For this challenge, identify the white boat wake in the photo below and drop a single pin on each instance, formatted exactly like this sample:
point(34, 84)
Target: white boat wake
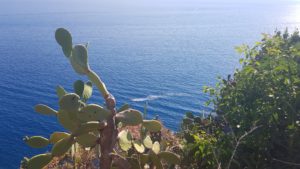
point(155, 97)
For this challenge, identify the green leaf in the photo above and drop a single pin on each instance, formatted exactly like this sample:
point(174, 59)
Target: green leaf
point(125, 140)
point(189, 115)
point(130, 117)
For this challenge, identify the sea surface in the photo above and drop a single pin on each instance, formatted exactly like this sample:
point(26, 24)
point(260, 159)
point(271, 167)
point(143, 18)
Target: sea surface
point(161, 53)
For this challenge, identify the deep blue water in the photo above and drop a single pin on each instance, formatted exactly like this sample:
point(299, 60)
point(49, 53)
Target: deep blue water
point(162, 53)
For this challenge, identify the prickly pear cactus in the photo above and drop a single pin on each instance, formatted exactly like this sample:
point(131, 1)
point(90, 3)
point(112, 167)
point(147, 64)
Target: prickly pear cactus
point(92, 125)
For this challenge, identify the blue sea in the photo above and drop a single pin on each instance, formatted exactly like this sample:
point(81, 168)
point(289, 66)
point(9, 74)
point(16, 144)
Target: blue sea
point(159, 52)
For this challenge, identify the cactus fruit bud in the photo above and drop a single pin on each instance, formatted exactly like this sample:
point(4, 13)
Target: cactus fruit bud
point(56, 136)
point(130, 117)
point(152, 125)
point(93, 112)
point(156, 147)
point(44, 109)
point(87, 140)
point(123, 107)
point(36, 141)
point(64, 39)
point(169, 157)
point(62, 146)
point(60, 91)
point(39, 161)
point(79, 60)
point(148, 142)
point(125, 140)
point(138, 146)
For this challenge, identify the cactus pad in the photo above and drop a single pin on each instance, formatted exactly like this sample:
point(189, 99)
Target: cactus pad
point(60, 91)
point(83, 90)
point(130, 117)
point(156, 161)
point(39, 161)
point(123, 107)
point(125, 140)
point(56, 136)
point(64, 39)
point(156, 147)
point(148, 142)
point(138, 146)
point(87, 140)
point(152, 125)
point(89, 127)
point(44, 109)
point(70, 102)
point(62, 146)
point(169, 157)
point(36, 141)
point(79, 59)
point(93, 112)
point(65, 120)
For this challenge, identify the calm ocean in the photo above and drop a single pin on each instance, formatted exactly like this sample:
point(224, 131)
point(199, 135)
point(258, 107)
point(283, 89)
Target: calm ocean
point(161, 52)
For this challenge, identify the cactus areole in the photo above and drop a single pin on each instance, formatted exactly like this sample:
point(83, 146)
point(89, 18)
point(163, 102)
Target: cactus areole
point(90, 124)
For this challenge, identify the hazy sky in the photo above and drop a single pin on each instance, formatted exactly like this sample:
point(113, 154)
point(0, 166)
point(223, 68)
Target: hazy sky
point(42, 6)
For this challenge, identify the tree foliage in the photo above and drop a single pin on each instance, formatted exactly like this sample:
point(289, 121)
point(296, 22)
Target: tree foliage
point(258, 107)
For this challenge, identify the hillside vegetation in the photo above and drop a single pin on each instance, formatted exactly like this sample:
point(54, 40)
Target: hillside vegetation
point(255, 122)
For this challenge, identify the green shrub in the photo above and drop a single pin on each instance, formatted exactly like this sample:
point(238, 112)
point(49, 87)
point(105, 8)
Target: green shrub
point(264, 93)
point(257, 112)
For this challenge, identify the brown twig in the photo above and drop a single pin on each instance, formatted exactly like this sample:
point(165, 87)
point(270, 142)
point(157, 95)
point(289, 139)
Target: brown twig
point(286, 162)
point(239, 142)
